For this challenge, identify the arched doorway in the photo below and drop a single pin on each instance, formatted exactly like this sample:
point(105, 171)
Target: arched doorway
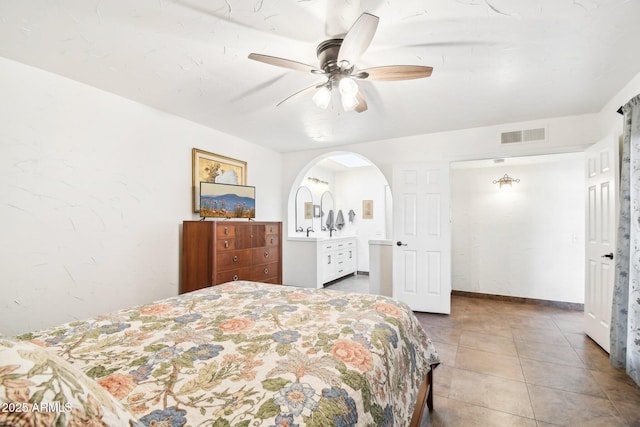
point(351, 186)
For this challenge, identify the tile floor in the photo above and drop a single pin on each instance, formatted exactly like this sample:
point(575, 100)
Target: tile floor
point(512, 364)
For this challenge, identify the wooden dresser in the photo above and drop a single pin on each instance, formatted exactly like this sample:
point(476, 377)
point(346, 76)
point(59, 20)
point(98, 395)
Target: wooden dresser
point(215, 252)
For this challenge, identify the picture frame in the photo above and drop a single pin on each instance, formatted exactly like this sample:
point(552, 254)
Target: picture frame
point(211, 167)
point(367, 209)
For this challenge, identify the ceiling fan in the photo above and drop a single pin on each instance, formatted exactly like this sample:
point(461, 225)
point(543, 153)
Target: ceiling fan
point(338, 57)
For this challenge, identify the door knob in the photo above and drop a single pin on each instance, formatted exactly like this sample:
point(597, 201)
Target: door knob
point(399, 243)
point(609, 255)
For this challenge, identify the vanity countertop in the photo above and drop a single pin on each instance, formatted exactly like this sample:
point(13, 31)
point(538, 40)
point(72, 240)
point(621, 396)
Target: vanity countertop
point(319, 238)
point(385, 242)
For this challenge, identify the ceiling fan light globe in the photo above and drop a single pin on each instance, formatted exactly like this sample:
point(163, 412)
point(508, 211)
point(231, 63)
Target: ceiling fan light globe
point(322, 97)
point(348, 87)
point(349, 102)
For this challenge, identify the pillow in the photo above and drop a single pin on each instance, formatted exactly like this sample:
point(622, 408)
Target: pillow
point(37, 387)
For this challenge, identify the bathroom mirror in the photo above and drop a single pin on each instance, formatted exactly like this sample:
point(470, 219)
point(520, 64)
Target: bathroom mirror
point(304, 209)
point(327, 210)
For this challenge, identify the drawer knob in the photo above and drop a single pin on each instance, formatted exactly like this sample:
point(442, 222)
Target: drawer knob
point(235, 277)
point(235, 258)
point(226, 243)
point(266, 270)
point(266, 254)
point(226, 230)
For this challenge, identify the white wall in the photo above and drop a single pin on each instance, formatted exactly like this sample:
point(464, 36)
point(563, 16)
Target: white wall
point(524, 242)
point(94, 189)
point(352, 187)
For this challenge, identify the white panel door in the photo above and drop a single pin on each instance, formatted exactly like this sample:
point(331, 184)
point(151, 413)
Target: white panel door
point(422, 236)
point(601, 206)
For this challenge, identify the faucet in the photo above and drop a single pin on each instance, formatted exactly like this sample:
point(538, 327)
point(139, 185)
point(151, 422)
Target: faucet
point(331, 230)
point(299, 230)
point(309, 230)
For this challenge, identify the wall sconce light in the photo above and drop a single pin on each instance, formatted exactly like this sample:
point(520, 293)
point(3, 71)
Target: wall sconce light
point(317, 181)
point(506, 180)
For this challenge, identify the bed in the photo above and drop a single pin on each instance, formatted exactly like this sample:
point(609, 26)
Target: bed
point(245, 353)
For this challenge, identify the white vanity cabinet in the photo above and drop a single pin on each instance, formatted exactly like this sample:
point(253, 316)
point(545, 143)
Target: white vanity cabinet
point(338, 258)
point(312, 262)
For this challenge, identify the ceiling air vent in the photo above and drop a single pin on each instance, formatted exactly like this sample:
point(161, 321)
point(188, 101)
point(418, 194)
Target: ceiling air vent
point(526, 135)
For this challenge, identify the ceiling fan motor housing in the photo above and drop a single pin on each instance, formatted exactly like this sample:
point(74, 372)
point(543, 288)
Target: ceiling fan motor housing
point(327, 52)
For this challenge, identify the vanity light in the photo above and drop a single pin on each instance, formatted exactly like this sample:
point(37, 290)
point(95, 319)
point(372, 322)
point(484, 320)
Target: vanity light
point(506, 180)
point(317, 181)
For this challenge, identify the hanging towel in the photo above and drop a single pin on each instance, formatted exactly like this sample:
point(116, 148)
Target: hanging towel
point(352, 215)
point(329, 222)
point(339, 220)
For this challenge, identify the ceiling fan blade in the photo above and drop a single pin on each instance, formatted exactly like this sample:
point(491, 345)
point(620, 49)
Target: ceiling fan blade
point(362, 103)
point(397, 72)
point(286, 63)
point(358, 38)
point(304, 92)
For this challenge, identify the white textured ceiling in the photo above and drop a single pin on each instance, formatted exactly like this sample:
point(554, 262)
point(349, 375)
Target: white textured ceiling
point(495, 61)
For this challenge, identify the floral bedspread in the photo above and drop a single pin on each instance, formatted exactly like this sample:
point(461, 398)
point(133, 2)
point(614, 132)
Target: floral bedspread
point(247, 353)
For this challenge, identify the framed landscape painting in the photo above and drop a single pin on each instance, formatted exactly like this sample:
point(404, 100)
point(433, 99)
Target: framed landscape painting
point(210, 167)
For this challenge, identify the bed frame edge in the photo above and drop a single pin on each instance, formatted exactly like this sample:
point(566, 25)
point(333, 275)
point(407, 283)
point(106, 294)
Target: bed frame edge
point(425, 395)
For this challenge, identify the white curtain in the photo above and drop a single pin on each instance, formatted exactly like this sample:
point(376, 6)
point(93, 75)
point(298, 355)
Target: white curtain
point(625, 317)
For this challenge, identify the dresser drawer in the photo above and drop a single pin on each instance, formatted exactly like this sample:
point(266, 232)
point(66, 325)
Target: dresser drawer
point(226, 260)
point(260, 273)
point(264, 255)
point(272, 240)
point(226, 244)
point(272, 229)
point(223, 231)
point(233, 275)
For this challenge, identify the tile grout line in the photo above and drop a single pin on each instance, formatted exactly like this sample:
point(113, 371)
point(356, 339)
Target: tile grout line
point(526, 383)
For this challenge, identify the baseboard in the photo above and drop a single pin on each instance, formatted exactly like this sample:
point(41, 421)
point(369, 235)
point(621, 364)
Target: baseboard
point(363, 273)
point(532, 301)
